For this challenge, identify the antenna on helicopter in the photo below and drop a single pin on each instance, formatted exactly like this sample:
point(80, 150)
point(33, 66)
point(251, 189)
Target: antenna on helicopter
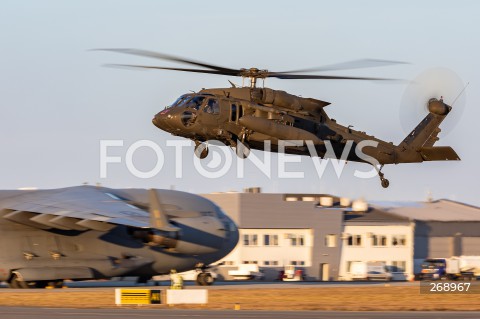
point(232, 84)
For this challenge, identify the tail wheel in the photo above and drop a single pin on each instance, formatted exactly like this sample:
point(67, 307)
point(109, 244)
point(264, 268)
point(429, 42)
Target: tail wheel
point(385, 182)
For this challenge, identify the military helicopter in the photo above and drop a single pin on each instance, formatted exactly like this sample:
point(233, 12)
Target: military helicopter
point(245, 117)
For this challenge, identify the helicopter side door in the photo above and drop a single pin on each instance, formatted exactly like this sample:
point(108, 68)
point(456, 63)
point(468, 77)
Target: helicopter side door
point(210, 113)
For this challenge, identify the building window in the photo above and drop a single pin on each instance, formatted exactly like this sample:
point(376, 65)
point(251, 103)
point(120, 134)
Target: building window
point(331, 240)
point(399, 240)
point(379, 240)
point(354, 240)
point(270, 240)
point(250, 239)
point(250, 262)
point(297, 240)
point(398, 266)
point(228, 263)
point(270, 263)
point(297, 263)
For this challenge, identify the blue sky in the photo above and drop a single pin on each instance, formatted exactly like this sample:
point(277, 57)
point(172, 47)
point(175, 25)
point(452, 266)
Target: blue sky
point(58, 101)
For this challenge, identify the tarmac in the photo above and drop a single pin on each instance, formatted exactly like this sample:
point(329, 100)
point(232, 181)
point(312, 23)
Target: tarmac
point(96, 285)
point(52, 313)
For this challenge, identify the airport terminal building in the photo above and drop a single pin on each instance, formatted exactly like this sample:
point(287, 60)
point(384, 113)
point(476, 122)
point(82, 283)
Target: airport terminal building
point(324, 234)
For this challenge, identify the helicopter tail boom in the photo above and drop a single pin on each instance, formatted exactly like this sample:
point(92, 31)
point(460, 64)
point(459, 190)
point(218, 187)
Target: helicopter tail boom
point(426, 133)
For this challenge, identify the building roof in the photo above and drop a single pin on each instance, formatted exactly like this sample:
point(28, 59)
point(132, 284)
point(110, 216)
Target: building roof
point(442, 210)
point(299, 210)
point(373, 215)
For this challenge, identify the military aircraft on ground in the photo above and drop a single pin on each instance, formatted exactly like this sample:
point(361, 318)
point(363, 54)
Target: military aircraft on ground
point(246, 117)
point(88, 232)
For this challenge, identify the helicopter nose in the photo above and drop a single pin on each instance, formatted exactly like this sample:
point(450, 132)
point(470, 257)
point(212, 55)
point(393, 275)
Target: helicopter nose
point(162, 120)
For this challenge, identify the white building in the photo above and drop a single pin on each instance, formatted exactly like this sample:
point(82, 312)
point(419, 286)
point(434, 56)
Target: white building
point(389, 240)
point(325, 236)
point(273, 247)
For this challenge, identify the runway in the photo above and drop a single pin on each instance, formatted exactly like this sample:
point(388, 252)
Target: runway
point(47, 313)
point(401, 300)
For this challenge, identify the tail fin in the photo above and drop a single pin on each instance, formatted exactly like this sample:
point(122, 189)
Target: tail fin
point(418, 145)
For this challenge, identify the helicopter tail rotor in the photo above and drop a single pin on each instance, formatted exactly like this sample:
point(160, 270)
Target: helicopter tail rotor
point(440, 91)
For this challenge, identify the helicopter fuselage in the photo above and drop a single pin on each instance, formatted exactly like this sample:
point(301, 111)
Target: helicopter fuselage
point(256, 116)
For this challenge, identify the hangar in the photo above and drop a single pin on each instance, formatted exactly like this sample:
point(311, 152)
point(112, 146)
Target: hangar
point(324, 234)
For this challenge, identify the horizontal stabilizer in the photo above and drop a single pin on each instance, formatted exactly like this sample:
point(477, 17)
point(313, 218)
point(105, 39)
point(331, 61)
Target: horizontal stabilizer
point(439, 153)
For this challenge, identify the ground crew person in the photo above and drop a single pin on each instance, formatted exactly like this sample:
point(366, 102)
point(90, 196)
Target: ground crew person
point(176, 280)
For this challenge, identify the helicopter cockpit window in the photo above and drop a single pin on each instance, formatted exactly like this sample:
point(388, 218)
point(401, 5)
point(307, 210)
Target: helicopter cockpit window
point(180, 100)
point(212, 107)
point(196, 102)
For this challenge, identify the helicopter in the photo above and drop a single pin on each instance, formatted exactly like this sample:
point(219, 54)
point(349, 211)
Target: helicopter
point(245, 117)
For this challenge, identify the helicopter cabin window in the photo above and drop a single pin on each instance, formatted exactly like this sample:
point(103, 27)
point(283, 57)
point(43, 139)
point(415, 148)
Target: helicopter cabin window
point(240, 111)
point(233, 113)
point(212, 107)
point(196, 102)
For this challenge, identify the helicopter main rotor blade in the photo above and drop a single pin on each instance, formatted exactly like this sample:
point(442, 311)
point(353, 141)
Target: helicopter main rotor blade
point(161, 56)
point(168, 68)
point(350, 65)
point(237, 73)
point(322, 77)
point(253, 72)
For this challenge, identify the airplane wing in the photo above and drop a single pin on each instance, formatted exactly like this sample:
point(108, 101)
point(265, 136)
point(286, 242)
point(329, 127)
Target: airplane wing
point(74, 208)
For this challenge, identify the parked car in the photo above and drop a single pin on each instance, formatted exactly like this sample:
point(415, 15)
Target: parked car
point(369, 270)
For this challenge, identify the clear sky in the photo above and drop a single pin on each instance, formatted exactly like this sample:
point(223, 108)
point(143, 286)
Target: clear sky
point(57, 101)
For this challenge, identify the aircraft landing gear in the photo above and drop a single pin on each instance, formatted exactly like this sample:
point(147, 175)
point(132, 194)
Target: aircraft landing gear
point(242, 148)
point(385, 183)
point(204, 279)
point(201, 150)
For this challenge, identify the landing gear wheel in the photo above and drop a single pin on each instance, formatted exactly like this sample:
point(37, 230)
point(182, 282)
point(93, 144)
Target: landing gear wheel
point(204, 279)
point(200, 279)
point(208, 279)
point(385, 182)
point(243, 150)
point(201, 150)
